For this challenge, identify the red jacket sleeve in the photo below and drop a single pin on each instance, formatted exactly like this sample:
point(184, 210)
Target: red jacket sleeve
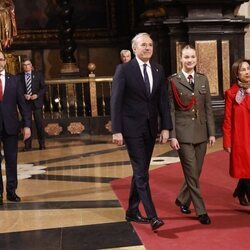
point(227, 123)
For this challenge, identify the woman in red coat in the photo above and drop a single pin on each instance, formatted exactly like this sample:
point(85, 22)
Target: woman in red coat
point(236, 129)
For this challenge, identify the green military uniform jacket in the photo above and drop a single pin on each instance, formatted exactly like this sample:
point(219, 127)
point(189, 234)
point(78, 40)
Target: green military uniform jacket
point(195, 124)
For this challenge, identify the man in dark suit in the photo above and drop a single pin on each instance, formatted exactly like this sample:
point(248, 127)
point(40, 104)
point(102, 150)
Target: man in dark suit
point(34, 88)
point(193, 126)
point(11, 96)
point(139, 98)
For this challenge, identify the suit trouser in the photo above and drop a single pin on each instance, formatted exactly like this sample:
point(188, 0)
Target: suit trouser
point(192, 158)
point(10, 145)
point(140, 150)
point(38, 118)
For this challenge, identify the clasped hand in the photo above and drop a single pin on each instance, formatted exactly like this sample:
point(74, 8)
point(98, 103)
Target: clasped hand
point(30, 97)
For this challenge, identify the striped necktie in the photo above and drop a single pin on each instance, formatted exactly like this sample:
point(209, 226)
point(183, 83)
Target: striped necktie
point(28, 84)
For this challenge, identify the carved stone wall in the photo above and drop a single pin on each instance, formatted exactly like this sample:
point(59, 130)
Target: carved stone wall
point(245, 11)
point(214, 28)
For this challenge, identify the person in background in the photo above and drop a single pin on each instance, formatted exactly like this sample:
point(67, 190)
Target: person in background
point(193, 126)
point(11, 96)
point(34, 88)
point(125, 55)
point(139, 97)
point(236, 129)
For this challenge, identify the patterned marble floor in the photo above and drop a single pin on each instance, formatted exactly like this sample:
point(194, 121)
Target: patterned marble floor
point(67, 202)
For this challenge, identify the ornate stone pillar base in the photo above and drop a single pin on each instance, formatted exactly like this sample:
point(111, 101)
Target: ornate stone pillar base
point(69, 68)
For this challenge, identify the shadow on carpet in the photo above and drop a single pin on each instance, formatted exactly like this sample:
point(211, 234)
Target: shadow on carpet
point(230, 221)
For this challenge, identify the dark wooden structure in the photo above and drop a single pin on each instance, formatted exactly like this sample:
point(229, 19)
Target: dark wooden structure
point(212, 27)
point(65, 35)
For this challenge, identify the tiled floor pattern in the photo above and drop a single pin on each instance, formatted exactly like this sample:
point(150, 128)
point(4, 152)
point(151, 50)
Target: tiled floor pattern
point(67, 202)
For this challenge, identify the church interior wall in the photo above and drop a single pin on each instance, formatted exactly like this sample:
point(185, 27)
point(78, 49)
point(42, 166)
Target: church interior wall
point(245, 11)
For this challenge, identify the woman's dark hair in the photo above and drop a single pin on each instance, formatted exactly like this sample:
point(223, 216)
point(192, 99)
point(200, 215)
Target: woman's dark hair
point(236, 66)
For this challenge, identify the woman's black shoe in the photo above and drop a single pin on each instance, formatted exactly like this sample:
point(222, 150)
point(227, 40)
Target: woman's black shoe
point(242, 199)
point(242, 191)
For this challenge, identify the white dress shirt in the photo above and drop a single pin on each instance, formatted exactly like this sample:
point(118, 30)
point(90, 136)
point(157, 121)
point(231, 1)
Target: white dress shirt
point(2, 75)
point(186, 75)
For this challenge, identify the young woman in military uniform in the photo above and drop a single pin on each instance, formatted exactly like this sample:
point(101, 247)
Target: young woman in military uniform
point(193, 127)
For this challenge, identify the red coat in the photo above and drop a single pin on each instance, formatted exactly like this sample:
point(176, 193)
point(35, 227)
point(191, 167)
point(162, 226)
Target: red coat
point(236, 132)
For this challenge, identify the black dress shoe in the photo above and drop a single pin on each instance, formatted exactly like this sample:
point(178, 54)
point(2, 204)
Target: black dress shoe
point(1, 199)
point(204, 219)
point(183, 208)
point(156, 223)
point(13, 197)
point(137, 217)
point(27, 149)
point(42, 147)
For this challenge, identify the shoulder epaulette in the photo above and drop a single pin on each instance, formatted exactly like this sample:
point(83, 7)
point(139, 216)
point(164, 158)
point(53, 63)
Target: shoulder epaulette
point(200, 74)
point(175, 74)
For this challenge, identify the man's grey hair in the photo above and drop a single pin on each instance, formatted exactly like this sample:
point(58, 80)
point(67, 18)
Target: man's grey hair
point(136, 37)
point(124, 51)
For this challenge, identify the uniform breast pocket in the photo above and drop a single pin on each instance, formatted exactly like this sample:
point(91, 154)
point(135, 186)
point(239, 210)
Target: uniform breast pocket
point(183, 94)
point(202, 91)
point(185, 97)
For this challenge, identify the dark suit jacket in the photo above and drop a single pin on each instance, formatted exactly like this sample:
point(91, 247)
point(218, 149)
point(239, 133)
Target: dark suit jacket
point(38, 87)
point(13, 96)
point(196, 124)
point(131, 107)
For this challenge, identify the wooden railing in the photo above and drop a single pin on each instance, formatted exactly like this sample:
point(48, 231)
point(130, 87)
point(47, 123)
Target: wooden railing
point(75, 97)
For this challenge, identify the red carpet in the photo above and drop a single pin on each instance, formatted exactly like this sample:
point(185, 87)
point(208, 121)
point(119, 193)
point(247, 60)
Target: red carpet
point(230, 228)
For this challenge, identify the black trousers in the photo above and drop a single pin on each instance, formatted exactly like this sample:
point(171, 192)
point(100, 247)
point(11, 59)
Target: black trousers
point(10, 146)
point(38, 119)
point(140, 150)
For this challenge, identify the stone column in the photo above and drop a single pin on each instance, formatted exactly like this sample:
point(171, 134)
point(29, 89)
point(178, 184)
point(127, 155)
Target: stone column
point(66, 38)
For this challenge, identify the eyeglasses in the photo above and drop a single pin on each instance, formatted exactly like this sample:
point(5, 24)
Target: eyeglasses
point(2, 59)
point(26, 64)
